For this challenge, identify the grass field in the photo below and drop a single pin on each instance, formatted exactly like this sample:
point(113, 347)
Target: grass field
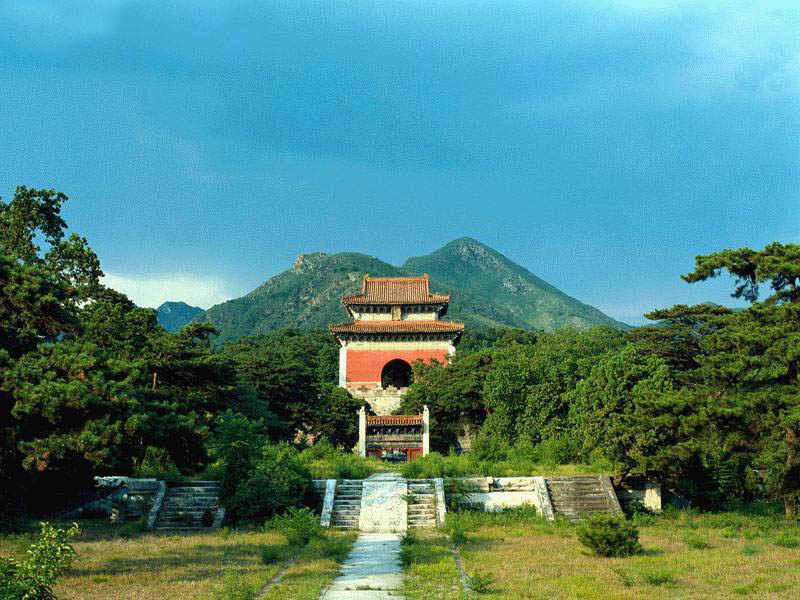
point(749, 553)
point(215, 564)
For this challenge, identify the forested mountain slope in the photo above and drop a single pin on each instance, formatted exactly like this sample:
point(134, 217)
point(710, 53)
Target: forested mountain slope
point(488, 290)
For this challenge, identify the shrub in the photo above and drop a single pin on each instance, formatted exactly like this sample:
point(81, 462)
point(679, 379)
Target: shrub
point(351, 466)
point(787, 540)
point(458, 533)
point(696, 543)
point(558, 450)
point(298, 526)
point(491, 448)
point(409, 537)
point(607, 535)
point(337, 548)
point(639, 514)
point(278, 481)
point(270, 554)
point(659, 578)
point(235, 587)
point(321, 450)
point(48, 557)
point(481, 583)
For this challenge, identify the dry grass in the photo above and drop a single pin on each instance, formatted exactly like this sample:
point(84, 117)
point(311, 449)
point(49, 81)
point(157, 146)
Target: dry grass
point(157, 566)
point(313, 570)
point(743, 558)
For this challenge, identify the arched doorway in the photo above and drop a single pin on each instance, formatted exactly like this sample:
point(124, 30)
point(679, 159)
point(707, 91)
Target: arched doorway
point(396, 373)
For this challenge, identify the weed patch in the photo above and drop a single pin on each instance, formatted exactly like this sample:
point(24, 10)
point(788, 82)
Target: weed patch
point(270, 554)
point(750, 549)
point(787, 540)
point(696, 543)
point(234, 587)
point(481, 583)
point(658, 578)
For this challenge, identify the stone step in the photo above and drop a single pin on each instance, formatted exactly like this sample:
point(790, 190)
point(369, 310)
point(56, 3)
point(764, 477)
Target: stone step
point(191, 499)
point(198, 483)
point(416, 521)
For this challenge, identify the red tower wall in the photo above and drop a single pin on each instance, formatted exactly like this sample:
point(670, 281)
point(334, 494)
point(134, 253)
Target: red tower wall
point(366, 365)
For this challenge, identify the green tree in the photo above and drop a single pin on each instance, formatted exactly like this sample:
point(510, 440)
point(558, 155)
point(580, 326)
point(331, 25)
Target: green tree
point(453, 394)
point(34, 215)
point(527, 389)
point(751, 366)
point(288, 371)
point(777, 264)
point(337, 417)
point(677, 339)
point(612, 405)
point(74, 405)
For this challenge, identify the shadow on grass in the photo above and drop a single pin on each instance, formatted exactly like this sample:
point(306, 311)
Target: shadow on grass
point(425, 551)
point(203, 555)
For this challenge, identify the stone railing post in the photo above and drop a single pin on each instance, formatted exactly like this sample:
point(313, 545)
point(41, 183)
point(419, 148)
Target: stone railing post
point(327, 503)
point(152, 516)
point(543, 502)
point(441, 506)
point(426, 435)
point(362, 432)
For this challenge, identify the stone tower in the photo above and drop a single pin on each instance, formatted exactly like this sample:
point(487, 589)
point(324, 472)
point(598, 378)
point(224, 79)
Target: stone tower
point(395, 321)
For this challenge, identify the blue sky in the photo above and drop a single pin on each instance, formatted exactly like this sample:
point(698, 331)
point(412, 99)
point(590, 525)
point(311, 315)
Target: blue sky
point(602, 145)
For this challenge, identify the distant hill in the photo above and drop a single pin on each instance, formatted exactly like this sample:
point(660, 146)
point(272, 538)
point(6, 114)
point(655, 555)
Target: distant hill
point(174, 315)
point(474, 271)
point(488, 290)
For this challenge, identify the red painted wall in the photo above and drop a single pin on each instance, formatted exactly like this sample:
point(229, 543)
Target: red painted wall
point(366, 365)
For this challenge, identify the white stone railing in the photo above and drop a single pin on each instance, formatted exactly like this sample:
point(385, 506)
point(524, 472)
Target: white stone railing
point(441, 506)
point(327, 503)
point(152, 516)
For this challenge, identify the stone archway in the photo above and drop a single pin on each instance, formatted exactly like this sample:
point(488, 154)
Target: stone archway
point(396, 373)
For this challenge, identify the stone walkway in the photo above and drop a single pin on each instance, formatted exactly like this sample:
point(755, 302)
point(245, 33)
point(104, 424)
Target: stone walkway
point(371, 571)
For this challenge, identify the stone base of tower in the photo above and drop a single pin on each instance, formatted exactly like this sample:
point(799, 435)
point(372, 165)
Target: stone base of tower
point(382, 401)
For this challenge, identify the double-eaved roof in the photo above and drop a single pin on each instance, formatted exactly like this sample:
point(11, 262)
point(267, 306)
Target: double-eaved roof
point(381, 293)
point(395, 290)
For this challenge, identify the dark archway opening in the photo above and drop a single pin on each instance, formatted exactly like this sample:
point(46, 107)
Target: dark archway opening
point(397, 373)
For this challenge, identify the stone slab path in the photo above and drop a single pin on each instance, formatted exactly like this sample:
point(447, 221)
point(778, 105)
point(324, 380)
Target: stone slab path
point(372, 570)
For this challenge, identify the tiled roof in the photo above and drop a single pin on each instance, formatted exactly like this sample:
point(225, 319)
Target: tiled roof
point(395, 290)
point(397, 327)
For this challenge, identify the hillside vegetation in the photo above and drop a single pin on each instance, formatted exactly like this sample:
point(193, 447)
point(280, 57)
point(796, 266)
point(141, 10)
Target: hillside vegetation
point(488, 290)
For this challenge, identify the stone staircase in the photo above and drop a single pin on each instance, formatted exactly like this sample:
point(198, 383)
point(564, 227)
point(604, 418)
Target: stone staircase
point(184, 505)
point(575, 497)
point(347, 504)
point(421, 503)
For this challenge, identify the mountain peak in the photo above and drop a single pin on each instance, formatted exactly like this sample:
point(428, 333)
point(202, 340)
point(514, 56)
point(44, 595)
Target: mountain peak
point(307, 261)
point(488, 290)
point(174, 315)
